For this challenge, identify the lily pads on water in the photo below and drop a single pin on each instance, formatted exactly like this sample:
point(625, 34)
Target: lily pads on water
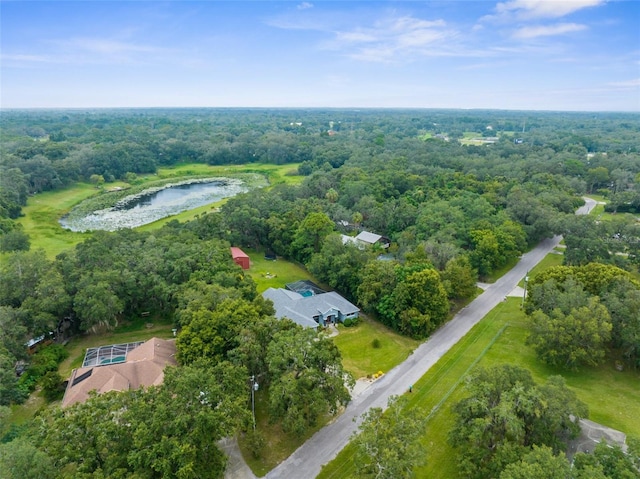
point(153, 204)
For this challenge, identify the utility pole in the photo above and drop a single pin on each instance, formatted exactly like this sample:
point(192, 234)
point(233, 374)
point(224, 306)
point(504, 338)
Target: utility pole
point(524, 294)
point(254, 388)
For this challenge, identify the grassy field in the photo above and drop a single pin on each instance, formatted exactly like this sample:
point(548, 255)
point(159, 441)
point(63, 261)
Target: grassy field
point(499, 338)
point(361, 358)
point(41, 215)
point(275, 273)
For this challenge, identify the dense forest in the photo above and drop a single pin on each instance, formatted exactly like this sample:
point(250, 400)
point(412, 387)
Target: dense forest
point(460, 194)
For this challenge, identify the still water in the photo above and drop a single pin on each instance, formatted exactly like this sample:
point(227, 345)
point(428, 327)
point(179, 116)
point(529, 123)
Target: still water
point(154, 204)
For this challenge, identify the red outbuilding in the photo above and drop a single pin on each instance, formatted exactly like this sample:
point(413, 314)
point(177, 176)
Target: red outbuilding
point(240, 257)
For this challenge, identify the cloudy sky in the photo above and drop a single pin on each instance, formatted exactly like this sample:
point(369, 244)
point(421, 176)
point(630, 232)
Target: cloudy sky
point(511, 54)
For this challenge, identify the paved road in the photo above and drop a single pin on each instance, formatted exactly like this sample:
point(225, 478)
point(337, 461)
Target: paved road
point(309, 458)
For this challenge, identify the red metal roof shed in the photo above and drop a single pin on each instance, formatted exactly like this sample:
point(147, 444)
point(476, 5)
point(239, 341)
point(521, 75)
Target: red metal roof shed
point(240, 257)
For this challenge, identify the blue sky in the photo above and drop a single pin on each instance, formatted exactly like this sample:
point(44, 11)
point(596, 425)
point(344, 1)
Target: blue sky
point(510, 54)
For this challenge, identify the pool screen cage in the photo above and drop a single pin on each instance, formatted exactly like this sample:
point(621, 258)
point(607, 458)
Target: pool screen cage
point(113, 354)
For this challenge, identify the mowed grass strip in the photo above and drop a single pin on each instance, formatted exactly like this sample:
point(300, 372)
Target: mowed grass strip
point(610, 394)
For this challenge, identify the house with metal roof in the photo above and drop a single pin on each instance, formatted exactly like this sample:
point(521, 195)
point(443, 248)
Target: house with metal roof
point(369, 238)
point(313, 310)
point(366, 238)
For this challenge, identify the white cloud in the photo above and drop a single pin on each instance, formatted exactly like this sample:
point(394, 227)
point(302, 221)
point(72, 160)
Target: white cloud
point(93, 51)
point(304, 6)
point(547, 30)
point(104, 46)
point(529, 9)
point(26, 58)
point(626, 84)
point(391, 39)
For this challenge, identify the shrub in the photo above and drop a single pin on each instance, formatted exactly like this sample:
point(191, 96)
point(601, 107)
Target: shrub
point(348, 323)
point(376, 344)
point(52, 386)
point(256, 442)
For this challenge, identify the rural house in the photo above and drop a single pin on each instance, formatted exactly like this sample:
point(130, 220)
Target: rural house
point(120, 367)
point(365, 238)
point(313, 310)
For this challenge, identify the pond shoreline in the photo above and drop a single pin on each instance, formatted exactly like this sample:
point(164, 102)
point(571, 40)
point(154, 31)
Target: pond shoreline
point(112, 211)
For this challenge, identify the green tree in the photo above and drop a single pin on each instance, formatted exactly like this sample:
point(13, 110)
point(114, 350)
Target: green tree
point(606, 461)
point(459, 278)
point(9, 390)
point(339, 265)
point(387, 443)
point(211, 334)
point(97, 306)
point(14, 240)
point(505, 414)
point(307, 378)
point(310, 235)
point(179, 424)
point(421, 303)
point(19, 459)
point(485, 255)
point(585, 240)
point(597, 177)
point(378, 280)
point(97, 180)
point(540, 463)
point(571, 340)
point(165, 431)
point(622, 300)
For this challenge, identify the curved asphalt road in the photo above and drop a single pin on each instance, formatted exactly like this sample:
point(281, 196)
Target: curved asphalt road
point(323, 447)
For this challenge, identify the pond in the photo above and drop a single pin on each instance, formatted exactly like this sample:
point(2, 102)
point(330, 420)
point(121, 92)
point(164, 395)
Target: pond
point(154, 204)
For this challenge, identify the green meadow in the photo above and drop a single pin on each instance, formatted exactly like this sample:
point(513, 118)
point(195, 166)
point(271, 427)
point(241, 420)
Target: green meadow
point(42, 212)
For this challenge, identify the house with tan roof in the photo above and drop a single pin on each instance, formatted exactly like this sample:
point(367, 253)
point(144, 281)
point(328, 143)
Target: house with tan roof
point(136, 366)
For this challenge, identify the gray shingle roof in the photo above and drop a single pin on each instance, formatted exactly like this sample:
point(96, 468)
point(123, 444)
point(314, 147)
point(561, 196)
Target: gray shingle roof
point(302, 309)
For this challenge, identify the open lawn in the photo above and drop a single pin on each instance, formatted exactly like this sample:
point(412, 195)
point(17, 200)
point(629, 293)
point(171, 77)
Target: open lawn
point(41, 215)
point(552, 259)
point(499, 338)
point(359, 354)
point(275, 273)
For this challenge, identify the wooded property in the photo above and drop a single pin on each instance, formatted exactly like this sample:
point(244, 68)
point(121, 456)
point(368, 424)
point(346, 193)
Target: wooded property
point(429, 217)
